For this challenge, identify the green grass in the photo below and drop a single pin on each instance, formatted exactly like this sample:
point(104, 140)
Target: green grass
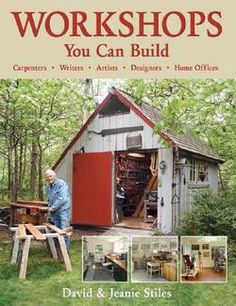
point(46, 278)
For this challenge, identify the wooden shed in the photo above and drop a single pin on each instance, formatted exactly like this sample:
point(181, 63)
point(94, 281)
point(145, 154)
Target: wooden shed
point(118, 140)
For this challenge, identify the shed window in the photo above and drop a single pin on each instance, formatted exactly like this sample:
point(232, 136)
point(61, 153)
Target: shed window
point(114, 107)
point(198, 171)
point(192, 171)
point(98, 248)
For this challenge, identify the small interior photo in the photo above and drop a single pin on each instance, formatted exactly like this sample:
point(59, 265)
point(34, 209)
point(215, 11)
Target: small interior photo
point(204, 259)
point(105, 258)
point(154, 259)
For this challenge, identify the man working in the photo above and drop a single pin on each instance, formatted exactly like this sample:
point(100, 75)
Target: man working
point(58, 198)
point(120, 198)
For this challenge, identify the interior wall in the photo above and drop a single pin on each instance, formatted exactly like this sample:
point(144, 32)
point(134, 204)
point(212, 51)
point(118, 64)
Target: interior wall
point(208, 262)
point(120, 246)
point(141, 253)
point(107, 248)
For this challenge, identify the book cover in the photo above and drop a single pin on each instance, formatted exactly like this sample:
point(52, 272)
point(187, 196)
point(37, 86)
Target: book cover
point(117, 162)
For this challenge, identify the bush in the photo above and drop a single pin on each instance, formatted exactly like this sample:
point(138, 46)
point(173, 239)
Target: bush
point(211, 215)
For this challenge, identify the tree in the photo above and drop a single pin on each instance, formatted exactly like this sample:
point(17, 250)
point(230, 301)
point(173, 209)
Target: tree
point(37, 119)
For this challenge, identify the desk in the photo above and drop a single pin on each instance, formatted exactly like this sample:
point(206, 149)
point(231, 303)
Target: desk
point(121, 263)
point(120, 268)
point(39, 207)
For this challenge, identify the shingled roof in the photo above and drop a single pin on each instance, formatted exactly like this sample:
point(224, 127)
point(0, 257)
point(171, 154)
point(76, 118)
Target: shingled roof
point(185, 142)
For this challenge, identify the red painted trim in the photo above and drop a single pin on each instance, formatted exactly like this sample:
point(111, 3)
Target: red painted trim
point(125, 101)
point(140, 114)
point(134, 108)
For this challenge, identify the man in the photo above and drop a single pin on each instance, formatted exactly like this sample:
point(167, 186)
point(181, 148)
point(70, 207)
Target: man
point(120, 198)
point(58, 198)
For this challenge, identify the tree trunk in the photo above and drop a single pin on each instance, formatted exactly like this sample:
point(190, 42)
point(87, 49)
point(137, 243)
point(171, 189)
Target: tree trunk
point(33, 169)
point(40, 172)
point(20, 177)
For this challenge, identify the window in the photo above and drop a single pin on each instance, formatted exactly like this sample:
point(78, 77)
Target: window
point(192, 171)
point(98, 248)
point(198, 171)
point(114, 107)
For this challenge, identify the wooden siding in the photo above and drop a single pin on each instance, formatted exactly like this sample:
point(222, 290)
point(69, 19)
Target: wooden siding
point(96, 143)
point(189, 189)
point(165, 190)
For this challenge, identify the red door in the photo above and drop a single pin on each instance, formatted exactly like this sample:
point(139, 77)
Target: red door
point(92, 189)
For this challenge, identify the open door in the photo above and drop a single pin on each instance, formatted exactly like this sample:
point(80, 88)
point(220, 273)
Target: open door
point(92, 189)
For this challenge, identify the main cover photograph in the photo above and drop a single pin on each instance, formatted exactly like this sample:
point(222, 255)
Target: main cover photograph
point(121, 190)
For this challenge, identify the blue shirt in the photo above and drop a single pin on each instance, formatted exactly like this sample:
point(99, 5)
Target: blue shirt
point(58, 196)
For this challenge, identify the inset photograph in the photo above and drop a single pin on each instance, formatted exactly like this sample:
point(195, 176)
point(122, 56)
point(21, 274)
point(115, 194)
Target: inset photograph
point(105, 258)
point(154, 259)
point(204, 259)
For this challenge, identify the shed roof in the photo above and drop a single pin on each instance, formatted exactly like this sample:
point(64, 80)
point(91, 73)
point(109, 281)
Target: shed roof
point(151, 116)
point(185, 142)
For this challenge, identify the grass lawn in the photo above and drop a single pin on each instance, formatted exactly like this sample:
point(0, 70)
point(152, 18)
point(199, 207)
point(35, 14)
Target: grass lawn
point(46, 278)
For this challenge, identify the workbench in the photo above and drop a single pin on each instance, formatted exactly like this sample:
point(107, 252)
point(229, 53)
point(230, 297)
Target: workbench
point(29, 206)
point(120, 268)
point(24, 233)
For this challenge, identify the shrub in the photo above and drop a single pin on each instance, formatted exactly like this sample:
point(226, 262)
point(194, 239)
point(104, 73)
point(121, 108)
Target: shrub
point(211, 215)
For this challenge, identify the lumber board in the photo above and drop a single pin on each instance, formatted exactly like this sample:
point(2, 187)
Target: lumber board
point(35, 232)
point(15, 249)
point(24, 260)
point(17, 205)
point(22, 231)
point(50, 235)
point(40, 227)
point(27, 202)
point(55, 229)
point(150, 184)
point(64, 253)
point(51, 245)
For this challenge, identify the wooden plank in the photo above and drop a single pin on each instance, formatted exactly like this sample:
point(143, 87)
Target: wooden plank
point(141, 202)
point(51, 245)
point(25, 255)
point(35, 232)
point(64, 253)
point(55, 229)
point(37, 203)
point(16, 205)
point(52, 235)
point(15, 249)
point(41, 227)
point(22, 231)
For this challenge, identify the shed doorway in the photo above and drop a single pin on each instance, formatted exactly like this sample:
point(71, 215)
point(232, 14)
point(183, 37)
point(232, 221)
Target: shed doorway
point(136, 189)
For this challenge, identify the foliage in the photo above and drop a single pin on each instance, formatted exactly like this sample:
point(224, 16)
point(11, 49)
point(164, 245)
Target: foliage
point(206, 107)
point(37, 119)
point(211, 215)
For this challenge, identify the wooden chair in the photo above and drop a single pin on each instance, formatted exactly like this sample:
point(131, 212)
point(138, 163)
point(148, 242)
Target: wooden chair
point(152, 267)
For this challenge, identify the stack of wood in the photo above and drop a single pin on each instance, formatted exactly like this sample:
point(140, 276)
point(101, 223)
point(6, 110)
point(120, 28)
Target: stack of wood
point(4, 216)
point(152, 185)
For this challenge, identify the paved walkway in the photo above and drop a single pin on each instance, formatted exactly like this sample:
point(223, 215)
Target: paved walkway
point(119, 231)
